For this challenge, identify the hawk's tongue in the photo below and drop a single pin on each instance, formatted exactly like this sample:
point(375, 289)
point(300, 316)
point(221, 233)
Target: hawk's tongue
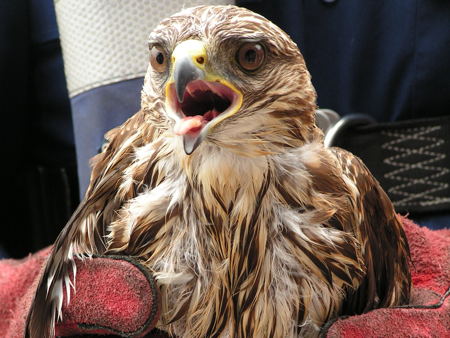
point(190, 125)
point(193, 124)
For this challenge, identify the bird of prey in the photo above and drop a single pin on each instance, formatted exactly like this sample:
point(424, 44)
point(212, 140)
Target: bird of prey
point(222, 187)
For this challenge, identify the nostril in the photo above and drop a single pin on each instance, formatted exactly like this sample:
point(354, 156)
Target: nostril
point(200, 60)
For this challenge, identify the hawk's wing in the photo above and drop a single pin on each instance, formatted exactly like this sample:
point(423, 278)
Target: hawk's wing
point(84, 233)
point(384, 245)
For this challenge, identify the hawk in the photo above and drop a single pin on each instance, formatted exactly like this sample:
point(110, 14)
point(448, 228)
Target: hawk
point(222, 187)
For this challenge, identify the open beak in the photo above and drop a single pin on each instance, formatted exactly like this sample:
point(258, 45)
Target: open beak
point(196, 99)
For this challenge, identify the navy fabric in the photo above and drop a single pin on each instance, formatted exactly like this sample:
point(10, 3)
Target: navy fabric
point(49, 114)
point(433, 220)
point(389, 59)
point(95, 112)
point(14, 88)
point(43, 21)
point(36, 133)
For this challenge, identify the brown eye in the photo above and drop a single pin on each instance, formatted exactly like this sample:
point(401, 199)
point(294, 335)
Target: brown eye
point(158, 59)
point(250, 56)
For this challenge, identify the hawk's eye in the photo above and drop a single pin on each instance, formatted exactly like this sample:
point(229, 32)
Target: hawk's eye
point(250, 56)
point(158, 59)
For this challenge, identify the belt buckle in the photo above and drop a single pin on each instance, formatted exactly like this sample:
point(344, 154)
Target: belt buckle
point(333, 125)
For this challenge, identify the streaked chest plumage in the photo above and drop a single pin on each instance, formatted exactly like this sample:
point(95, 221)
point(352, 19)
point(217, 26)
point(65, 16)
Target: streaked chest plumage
point(238, 248)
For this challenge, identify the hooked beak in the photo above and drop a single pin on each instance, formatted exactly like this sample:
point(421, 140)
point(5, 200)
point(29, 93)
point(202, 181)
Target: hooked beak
point(184, 72)
point(196, 99)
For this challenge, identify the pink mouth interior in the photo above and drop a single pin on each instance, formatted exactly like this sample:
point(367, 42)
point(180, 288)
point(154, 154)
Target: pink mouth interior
point(203, 101)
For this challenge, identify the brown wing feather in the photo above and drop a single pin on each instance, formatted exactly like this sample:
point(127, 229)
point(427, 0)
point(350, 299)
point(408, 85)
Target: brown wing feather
point(384, 244)
point(84, 232)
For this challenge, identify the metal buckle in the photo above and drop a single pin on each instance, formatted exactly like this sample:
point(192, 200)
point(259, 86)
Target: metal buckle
point(333, 125)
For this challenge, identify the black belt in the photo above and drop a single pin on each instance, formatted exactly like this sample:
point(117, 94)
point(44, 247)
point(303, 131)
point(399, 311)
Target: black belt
point(410, 159)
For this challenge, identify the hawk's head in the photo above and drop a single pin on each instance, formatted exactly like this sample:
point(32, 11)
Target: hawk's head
point(225, 76)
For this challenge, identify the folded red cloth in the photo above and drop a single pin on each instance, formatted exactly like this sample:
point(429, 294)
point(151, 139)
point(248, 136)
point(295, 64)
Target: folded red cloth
point(116, 295)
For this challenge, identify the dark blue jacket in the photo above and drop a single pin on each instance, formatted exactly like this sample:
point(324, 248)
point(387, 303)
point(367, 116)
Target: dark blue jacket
point(389, 59)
